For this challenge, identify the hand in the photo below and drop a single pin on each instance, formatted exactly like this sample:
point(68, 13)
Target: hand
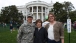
point(62, 40)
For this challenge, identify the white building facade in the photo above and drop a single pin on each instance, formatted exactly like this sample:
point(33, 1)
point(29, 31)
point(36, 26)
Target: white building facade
point(39, 9)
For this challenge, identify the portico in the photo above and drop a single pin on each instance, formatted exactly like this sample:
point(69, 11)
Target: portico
point(39, 9)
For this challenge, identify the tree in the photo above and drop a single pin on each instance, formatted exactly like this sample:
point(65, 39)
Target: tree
point(62, 10)
point(59, 12)
point(68, 6)
point(0, 17)
point(72, 15)
point(10, 13)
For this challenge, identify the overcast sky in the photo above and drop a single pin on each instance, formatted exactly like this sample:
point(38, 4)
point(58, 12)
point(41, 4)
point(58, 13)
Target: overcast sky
point(4, 3)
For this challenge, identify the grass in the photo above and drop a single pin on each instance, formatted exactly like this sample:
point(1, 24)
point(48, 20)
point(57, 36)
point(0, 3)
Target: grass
point(7, 37)
point(72, 36)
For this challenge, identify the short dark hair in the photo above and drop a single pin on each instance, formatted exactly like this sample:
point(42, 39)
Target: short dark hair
point(39, 21)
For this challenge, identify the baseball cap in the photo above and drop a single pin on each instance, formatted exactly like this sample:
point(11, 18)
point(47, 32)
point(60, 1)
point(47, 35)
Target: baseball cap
point(29, 16)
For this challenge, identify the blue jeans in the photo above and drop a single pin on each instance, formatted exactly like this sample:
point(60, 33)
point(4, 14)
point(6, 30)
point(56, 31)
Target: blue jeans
point(53, 41)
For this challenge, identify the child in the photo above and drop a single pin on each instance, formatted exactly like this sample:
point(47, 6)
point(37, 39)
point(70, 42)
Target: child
point(40, 33)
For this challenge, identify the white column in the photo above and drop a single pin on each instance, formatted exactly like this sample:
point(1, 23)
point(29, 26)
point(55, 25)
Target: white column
point(24, 17)
point(37, 12)
point(45, 13)
point(29, 9)
point(42, 13)
point(48, 10)
point(32, 9)
point(32, 12)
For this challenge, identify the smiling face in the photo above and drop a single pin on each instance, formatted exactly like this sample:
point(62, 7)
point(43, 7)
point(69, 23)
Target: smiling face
point(51, 17)
point(29, 19)
point(38, 23)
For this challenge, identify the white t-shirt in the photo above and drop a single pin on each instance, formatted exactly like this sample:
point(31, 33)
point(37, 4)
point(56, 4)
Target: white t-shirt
point(38, 29)
point(50, 32)
point(44, 23)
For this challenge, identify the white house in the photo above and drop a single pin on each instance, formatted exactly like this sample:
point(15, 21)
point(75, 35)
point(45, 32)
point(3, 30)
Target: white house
point(39, 9)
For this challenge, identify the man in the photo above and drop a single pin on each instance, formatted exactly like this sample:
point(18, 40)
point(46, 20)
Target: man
point(25, 32)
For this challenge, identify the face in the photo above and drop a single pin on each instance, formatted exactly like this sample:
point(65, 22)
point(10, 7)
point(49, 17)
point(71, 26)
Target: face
point(51, 18)
point(38, 24)
point(29, 20)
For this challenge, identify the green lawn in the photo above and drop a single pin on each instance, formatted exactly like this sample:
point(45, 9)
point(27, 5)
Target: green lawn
point(72, 36)
point(7, 37)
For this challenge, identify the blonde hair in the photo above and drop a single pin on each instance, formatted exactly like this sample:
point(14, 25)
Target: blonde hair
point(51, 13)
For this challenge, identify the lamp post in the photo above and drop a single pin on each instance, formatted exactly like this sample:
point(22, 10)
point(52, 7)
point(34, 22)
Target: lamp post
point(68, 14)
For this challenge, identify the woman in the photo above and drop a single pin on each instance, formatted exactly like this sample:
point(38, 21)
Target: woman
point(40, 33)
point(55, 30)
